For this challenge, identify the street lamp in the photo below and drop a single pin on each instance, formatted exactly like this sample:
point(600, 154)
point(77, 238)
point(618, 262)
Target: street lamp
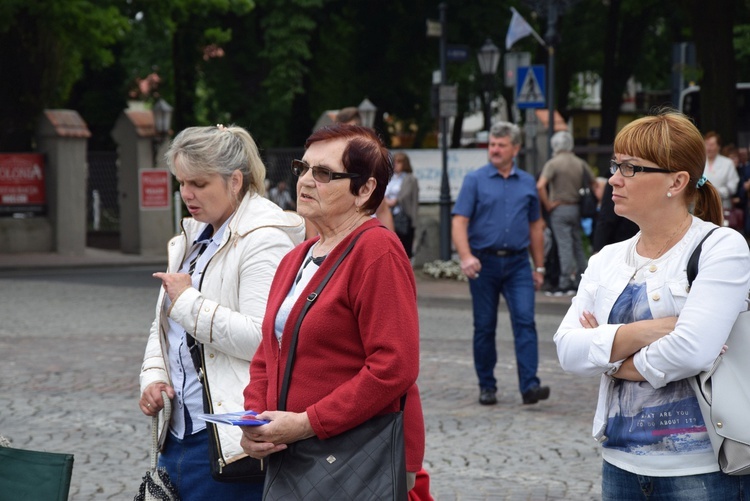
point(489, 58)
point(162, 121)
point(367, 112)
point(162, 117)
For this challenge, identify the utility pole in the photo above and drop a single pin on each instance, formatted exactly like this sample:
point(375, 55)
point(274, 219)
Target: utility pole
point(551, 36)
point(445, 192)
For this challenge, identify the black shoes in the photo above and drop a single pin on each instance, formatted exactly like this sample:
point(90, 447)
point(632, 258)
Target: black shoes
point(534, 395)
point(487, 396)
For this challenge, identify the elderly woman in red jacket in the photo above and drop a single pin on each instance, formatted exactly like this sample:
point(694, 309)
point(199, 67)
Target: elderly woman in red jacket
point(358, 350)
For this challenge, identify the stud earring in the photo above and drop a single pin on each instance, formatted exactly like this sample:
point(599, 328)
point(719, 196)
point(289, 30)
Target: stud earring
point(669, 194)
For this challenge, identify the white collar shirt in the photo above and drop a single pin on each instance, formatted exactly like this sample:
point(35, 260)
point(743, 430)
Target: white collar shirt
point(188, 389)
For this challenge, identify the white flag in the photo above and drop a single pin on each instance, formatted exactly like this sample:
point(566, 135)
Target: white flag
point(519, 29)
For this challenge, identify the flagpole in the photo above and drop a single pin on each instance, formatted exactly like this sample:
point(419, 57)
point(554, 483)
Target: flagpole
point(539, 39)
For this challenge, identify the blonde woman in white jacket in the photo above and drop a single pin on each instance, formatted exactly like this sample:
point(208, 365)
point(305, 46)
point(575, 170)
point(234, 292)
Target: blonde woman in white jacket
point(211, 304)
point(637, 323)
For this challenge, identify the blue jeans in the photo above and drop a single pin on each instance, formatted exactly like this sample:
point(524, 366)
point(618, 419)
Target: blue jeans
point(511, 277)
point(620, 485)
point(188, 466)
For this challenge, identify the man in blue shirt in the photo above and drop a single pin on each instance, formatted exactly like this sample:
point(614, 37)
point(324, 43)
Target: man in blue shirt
point(496, 223)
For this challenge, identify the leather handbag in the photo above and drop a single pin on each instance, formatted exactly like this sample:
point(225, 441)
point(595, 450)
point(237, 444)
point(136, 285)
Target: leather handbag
point(587, 204)
point(401, 223)
point(723, 392)
point(364, 463)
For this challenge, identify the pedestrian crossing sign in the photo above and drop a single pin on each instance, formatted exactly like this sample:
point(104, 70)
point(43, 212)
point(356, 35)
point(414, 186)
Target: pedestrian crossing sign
point(530, 87)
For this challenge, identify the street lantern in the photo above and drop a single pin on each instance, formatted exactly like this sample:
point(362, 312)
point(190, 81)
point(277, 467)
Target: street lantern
point(162, 121)
point(489, 58)
point(367, 112)
point(162, 117)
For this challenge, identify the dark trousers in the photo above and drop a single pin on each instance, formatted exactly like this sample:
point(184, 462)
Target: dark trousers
point(407, 241)
point(188, 467)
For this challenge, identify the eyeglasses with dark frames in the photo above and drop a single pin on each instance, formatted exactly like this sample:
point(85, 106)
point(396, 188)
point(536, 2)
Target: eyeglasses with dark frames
point(320, 174)
point(629, 170)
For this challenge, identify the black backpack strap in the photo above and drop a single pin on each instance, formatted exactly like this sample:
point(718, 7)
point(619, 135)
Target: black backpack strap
point(692, 265)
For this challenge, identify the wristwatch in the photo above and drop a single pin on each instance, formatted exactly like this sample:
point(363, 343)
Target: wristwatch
point(540, 269)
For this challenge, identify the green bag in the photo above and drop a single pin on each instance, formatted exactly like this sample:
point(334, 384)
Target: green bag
point(34, 475)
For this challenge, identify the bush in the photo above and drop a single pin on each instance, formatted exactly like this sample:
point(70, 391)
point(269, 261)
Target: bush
point(444, 269)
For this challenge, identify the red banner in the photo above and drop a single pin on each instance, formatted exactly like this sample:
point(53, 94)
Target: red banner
point(22, 182)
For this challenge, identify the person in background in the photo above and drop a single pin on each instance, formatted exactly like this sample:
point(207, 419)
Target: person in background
point(280, 196)
point(496, 223)
point(211, 302)
point(563, 176)
point(734, 217)
point(637, 324)
point(720, 170)
point(402, 198)
point(744, 172)
point(360, 348)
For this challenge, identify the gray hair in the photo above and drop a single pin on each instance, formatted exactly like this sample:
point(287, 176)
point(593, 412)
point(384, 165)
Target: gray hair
point(219, 150)
point(562, 141)
point(506, 129)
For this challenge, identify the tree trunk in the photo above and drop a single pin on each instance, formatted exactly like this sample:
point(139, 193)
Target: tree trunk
point(622, 48)
point(712, 25)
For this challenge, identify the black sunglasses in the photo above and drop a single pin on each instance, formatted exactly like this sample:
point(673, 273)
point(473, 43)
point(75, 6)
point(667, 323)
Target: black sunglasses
point(629, 170)
point(320, 174)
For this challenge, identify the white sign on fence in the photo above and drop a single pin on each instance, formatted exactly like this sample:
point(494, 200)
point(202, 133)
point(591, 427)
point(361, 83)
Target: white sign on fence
point(428, 170)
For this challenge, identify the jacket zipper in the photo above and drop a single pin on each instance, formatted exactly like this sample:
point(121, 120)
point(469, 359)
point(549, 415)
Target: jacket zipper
point(202, 375)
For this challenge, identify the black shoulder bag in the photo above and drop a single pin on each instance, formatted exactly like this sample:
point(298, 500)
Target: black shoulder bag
point(587, 204)
point(364, 463)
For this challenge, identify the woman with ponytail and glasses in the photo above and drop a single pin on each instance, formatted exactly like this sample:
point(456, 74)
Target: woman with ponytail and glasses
point(637, 323)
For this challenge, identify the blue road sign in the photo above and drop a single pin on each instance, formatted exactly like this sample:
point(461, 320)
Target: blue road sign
point(530, 87)
point(457, 53)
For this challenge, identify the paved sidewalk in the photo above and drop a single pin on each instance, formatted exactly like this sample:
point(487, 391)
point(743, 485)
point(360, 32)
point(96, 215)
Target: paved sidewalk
point(91, 257)
point(428, 288)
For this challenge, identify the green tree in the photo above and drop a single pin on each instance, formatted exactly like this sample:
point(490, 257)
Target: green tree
point(46, 44)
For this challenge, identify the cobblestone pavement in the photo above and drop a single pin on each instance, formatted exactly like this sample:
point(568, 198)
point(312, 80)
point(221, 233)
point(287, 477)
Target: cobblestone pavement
point(508, 451)
point(72, 341)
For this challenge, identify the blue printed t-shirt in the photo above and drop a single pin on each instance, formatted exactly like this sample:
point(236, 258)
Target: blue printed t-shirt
point(653, 431)
point(499, 209)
